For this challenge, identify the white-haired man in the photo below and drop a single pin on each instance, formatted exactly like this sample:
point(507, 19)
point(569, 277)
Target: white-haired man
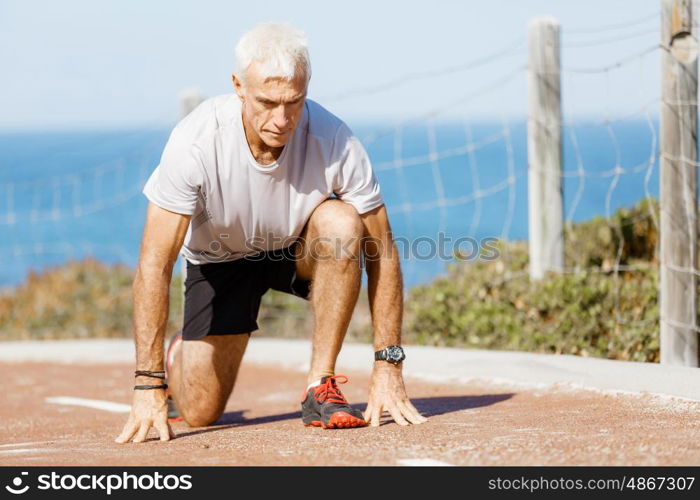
point(267, 190)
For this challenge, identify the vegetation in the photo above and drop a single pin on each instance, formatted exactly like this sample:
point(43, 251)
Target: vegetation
point(494, 305)
point(591, 310)
point(82, 299)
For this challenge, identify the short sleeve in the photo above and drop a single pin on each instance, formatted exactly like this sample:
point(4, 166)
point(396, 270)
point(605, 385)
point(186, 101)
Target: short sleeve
point(175, 183)
point(355, 181)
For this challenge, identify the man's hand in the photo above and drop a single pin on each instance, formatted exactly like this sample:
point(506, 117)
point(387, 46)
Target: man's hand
point(388, 393)
point(149, 409)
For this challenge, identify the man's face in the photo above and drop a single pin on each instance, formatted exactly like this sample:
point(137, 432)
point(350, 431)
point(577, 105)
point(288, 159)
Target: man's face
point(272, 107)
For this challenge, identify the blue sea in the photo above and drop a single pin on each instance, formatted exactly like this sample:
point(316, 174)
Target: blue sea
point(68, 195)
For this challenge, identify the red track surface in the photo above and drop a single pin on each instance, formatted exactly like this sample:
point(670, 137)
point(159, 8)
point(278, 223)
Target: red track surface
point(476, 424)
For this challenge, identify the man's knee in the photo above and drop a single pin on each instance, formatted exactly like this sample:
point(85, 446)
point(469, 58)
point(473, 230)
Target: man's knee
point(338, 231)
point(199, 412)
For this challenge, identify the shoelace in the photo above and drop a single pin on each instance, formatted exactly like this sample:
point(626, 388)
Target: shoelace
point(328, 391)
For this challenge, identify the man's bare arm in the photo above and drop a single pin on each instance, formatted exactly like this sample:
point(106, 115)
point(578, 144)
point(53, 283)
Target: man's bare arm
point(385, 288)
point(162, 239)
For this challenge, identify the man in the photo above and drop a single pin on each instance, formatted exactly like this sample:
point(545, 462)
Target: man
point(245, 182)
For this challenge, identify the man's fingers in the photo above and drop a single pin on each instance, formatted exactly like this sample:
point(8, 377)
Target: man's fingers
point(164, 430)
point(129, 429)
point(376, 416)
point(396, 415)
point(411, 413)
point(143, 432)
point(368, 412)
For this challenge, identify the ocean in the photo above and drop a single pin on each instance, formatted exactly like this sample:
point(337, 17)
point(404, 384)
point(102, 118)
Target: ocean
point(72, 194)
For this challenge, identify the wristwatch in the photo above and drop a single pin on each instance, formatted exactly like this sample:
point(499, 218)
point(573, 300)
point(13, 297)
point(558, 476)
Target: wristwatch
point(393, 354)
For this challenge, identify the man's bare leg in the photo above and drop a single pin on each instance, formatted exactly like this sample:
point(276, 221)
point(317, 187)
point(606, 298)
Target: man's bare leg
point(330, 256)
point(203, 374)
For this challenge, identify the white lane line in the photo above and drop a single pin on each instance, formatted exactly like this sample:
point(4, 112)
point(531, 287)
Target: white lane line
point(12, 445)
point(423, 462)
point(26, 450)
point(90, 403)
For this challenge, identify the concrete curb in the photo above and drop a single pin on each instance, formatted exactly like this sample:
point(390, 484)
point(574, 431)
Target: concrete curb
point(427, 363)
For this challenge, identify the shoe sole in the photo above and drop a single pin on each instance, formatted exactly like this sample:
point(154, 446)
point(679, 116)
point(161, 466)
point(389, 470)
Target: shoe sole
point(339, 420)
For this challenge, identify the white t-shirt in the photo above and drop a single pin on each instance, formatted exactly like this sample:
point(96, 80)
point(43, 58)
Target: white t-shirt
point(240, 207)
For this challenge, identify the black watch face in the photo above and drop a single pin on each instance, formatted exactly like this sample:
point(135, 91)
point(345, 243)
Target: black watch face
point(394, 353)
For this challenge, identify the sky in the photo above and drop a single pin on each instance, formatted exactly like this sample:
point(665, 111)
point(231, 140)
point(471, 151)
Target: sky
point(98, 64)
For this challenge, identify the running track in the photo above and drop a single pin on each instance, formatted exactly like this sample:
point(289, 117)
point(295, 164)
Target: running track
point(477, 423)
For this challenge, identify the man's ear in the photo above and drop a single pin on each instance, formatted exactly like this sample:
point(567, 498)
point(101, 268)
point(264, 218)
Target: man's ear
point(238, 86)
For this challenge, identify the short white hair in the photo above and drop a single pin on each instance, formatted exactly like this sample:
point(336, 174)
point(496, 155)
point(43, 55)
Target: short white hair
point(280, 50)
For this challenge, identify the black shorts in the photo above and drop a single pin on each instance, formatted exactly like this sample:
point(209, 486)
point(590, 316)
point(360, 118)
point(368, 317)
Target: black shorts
point(223, 298)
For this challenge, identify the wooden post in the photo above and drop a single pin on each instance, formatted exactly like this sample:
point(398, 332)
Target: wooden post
point(189, 99)
point(544, 149)
point(678, 252)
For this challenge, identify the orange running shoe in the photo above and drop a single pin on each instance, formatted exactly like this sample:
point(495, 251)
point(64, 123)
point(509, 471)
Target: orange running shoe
point(325, 406)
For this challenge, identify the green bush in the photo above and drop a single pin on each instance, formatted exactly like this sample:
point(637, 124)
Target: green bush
point(590, 310)
point(631, 233)
point(494, 305)
point(82, 299)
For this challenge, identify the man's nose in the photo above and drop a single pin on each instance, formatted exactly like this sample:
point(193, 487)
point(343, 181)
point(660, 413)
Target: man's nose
point(281, 118)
